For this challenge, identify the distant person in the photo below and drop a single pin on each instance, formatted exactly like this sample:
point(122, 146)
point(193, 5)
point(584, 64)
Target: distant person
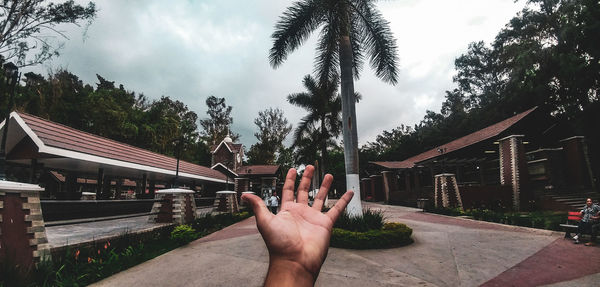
point(588, 218)
point(274, 200)
point(298, 237)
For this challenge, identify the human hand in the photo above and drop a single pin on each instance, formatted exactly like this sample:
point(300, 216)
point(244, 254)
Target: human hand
point(298, 236)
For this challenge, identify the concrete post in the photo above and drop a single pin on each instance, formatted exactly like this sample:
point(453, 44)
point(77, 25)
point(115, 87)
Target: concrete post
point(513, 170)
point(23, 240)
point(178, 206)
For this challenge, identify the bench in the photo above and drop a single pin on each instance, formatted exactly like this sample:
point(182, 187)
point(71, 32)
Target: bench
point(572, 220)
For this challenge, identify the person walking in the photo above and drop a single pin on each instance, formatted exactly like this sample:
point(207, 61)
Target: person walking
point(274, 200)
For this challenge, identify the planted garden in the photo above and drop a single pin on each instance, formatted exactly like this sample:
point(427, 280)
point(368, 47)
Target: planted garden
point(369, 232)
point(85, 265)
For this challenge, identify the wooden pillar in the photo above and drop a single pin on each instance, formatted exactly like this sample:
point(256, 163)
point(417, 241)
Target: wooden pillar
point(119, 188)
point(144, 179)
point(578, 168)
point(390, 185)
point(417, 181)
point(99, 182)
point(32, 176)
point(152, 189)
point(71, 186)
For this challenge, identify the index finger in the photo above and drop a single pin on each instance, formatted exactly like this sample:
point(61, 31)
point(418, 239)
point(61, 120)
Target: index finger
point(339, 206)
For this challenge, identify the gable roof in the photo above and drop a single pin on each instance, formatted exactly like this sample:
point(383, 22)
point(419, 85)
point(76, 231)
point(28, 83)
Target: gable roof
point(60, 141)
point(470, 139)
point(258, 170)
point(234, 148)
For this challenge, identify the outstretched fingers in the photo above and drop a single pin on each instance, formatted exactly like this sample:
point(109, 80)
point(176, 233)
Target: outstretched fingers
point(288, 187)
point(320, 197)
point(339, 206)
point(302, 196)
point(258, 205)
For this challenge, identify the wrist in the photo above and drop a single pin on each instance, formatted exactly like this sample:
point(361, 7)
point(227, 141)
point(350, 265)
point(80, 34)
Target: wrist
point(284, 272)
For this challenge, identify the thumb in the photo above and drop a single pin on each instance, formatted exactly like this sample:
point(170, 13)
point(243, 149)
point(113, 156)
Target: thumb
point(258, 205)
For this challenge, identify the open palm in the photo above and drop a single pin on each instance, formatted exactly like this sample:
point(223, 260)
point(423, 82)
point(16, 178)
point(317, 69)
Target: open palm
point(299, 234)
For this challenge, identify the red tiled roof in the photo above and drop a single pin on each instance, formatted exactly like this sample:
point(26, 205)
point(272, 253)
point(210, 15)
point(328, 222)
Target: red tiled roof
point(63, 137)
point(457, 144)
point(258, 169)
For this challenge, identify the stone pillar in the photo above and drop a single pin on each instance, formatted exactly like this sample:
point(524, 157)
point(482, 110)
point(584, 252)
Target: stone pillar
point(578, 167)
point(446, 192)
point(23, 240)
point(177, 206)
point(226, 201)
point(390, 184)
point(513, 170)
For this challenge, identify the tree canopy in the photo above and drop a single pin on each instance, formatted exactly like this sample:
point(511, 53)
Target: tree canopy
point(29, 28)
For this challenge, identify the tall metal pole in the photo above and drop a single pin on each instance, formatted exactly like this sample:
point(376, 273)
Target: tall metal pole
point(11, 77)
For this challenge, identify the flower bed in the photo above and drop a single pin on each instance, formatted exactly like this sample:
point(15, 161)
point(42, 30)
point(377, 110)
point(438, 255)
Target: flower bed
point(84, 265)
point(538, 219)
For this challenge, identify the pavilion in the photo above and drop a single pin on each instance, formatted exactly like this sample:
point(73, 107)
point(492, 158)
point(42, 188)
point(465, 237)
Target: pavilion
point(42, 151)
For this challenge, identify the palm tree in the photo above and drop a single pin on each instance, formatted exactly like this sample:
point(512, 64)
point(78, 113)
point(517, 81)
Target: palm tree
point(324, 106)
point(352, 30)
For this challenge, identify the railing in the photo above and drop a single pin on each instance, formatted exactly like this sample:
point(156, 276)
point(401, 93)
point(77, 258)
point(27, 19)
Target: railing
point(62, 212)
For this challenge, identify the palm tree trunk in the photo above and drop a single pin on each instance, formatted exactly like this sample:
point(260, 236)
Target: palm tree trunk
point(349, 120)
point(323, 138)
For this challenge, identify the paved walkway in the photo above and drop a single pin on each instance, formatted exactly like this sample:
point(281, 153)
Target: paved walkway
point(447, 252)
point(83, 232)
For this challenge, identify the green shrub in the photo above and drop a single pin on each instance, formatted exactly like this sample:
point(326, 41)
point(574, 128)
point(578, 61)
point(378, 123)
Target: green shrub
point(390, 235)
point(370, 220)
point(183, 234)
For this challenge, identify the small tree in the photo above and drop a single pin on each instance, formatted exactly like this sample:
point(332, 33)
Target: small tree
point(31, 26)
point(273, 128)
point(216, 126)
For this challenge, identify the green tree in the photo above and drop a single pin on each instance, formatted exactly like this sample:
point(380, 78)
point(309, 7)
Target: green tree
point(322, 123)
point(30, 27)
point(273, 128)
point(352, 30)
point(216, 127)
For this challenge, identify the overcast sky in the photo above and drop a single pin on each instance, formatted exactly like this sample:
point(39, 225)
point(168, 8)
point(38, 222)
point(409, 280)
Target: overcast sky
point(189, 50)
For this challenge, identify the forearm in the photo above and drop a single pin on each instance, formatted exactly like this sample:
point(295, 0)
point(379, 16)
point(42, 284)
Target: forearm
point(283, 272)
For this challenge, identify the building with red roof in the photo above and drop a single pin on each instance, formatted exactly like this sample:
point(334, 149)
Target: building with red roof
point(512, 161)
point(36, 147)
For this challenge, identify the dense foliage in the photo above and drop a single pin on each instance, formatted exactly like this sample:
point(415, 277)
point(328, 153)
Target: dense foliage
point(113, 112)
point(546, 56)
point(28, 29)
point(273, 128)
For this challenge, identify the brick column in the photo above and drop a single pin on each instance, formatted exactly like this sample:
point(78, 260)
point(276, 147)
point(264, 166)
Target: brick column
point(390, 184)
point(177, 206)
point(446, 192)
point(578, 168)
point(241, 185)
point(513, 170)
point(226, 202)
point(23, 240)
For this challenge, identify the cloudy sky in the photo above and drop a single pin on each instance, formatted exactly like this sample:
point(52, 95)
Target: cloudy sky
point(189, 50)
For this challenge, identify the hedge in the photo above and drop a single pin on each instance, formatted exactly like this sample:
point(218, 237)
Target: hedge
point(391, 235)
